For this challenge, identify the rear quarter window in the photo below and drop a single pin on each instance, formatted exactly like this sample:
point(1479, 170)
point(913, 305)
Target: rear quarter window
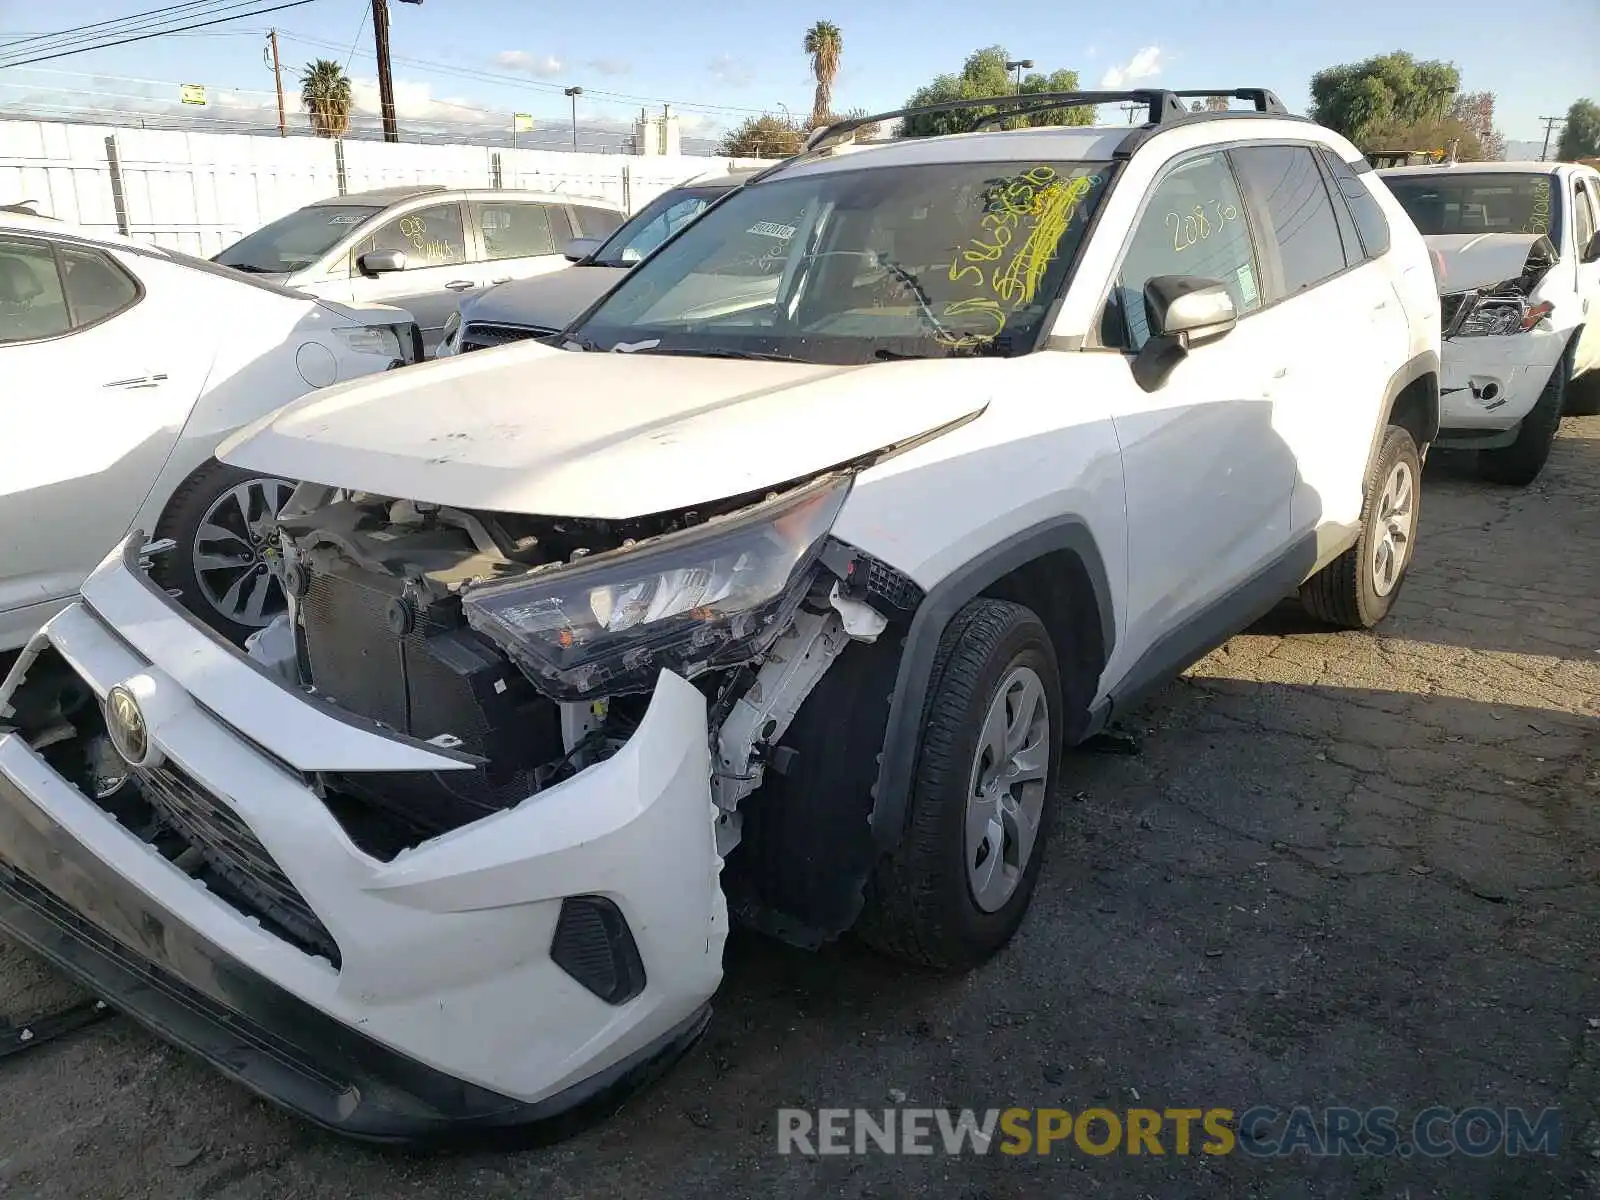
point(1367, 212)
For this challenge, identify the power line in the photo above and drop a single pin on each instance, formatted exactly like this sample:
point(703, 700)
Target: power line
point(167, 13)
point(525, 82)
point(139, 37)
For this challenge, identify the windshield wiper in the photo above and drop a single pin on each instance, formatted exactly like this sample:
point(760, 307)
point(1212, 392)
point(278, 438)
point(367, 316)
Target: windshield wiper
point(749, 355)
point(249, 268)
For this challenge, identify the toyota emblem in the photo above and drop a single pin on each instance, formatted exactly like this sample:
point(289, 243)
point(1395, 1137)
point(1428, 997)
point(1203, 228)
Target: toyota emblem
point(125, 725)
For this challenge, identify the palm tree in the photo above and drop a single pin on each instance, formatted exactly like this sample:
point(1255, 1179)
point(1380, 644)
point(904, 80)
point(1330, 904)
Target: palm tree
point(824, 43)
point(325, 91)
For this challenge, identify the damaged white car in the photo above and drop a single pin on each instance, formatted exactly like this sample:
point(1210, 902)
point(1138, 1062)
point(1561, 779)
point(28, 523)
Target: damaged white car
point(1518, 260)
point(780, 610)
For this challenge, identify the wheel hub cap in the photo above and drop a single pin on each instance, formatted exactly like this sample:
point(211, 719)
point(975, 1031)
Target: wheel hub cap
point(1007, 788)
point(1391, 542)
point(232, 556)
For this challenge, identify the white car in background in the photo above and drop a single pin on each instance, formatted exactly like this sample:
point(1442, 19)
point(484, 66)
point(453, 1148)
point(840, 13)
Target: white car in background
point(538, 307)
point(123, 366)
point(1518, 261)
point(424, 246)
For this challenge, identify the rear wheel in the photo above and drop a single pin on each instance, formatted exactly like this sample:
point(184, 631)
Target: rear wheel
point(956, 888)
point(1357, 589)
point(220, 568)
point(1519, 464)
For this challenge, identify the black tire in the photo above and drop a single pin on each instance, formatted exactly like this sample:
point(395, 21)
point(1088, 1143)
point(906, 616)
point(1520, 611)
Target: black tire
point(1583, 394)
point(1343, 593)
point(919, 905)
point(1519, 464)
point(181, 521)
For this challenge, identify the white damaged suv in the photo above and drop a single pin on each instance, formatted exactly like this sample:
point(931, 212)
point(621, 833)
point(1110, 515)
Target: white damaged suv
point(1518, 258)
point(776, 605)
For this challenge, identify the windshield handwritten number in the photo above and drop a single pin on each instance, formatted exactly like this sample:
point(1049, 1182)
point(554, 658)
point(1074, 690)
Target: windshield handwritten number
point(958, 273)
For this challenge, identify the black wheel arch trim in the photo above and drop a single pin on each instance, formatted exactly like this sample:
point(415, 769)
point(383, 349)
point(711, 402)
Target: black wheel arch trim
point(897, 764)
point(1418, 367)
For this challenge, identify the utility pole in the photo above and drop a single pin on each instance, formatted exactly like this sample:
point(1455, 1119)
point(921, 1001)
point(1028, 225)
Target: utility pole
point(1549, 124)
point(277, 77)
point(1130, 109)
point(380, 34)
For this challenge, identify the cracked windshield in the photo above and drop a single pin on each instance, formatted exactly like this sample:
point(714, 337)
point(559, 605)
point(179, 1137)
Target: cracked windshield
point(851, 266)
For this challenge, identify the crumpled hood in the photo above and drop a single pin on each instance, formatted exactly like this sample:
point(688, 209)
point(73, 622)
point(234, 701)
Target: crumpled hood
point(544, 301)
point(533, 429)
point(1463, 262)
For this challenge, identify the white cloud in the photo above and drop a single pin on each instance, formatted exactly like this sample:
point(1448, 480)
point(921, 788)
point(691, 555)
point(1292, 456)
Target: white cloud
point(414, 101)
point(1146, 64)
point(540, 66)
point(730, 71)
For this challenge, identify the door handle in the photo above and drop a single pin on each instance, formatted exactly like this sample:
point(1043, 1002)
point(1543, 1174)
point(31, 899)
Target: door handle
point(1380, 306)
point(1281, 373)
point(138, 381)
point(460, 285)
point(502, 279)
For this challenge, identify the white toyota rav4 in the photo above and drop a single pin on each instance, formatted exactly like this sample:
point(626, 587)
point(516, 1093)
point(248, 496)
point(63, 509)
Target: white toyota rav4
point(782, 606)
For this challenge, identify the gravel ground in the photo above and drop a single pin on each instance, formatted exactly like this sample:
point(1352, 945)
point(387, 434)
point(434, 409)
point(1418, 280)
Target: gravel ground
point(1343, 869)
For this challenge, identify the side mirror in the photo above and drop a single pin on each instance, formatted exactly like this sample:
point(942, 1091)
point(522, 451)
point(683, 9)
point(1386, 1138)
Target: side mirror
point(579, 249)
point(1184, 311)
point(380, 262)
point(1591, 252)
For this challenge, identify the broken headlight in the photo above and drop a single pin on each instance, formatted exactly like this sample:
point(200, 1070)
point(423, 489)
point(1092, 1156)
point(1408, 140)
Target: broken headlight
point(1499, 316)
point(709, 596)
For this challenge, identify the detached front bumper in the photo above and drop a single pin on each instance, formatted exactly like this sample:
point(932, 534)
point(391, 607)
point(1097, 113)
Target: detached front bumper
point(1489, 384)
point(447, 1011)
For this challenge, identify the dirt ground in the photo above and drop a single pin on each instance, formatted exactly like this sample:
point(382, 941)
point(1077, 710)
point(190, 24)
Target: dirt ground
point(1343, 869)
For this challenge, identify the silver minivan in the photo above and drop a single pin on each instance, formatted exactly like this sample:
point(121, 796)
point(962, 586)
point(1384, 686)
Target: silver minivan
point(423, 247)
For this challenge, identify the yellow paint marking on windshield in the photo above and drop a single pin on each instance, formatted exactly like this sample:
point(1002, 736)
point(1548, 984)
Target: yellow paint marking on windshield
point(1053, 210)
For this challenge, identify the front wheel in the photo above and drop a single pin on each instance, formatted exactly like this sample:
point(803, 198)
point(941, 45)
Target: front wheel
point(1357, 589)
point(220, 569)
point(955, 889)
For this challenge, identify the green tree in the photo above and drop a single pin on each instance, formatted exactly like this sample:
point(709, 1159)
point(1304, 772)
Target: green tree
point(1369, 101)
point(325, 91)
point(825, 44)
point(984, 74)
point(763, 137)
point(1580, 136)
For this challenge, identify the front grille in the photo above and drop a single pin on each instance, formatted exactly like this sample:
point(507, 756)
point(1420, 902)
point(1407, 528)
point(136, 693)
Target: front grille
point(482, 335)
point(233, 851)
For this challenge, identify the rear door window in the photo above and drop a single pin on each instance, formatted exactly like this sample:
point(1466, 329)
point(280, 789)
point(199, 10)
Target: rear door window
point(1583, 219)
point(1367, 212)
point(596, 222)
point(514, 229)
point(33, 303)
point(1296, 214)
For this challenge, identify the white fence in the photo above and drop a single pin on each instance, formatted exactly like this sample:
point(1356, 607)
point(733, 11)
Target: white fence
point(197, 192)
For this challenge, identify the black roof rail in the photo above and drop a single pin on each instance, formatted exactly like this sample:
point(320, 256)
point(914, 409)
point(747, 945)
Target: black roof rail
point(1265, 101)
point(1163, 106)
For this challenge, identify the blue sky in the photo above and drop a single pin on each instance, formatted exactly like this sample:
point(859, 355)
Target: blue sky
point(484, 60)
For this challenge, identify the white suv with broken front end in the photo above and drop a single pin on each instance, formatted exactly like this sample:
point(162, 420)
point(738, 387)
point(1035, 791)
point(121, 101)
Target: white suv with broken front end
point(1518, 259)
point(776, 604)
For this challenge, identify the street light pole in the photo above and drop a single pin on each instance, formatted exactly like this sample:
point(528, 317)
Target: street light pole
point(573, 93)
point(1018, 65)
